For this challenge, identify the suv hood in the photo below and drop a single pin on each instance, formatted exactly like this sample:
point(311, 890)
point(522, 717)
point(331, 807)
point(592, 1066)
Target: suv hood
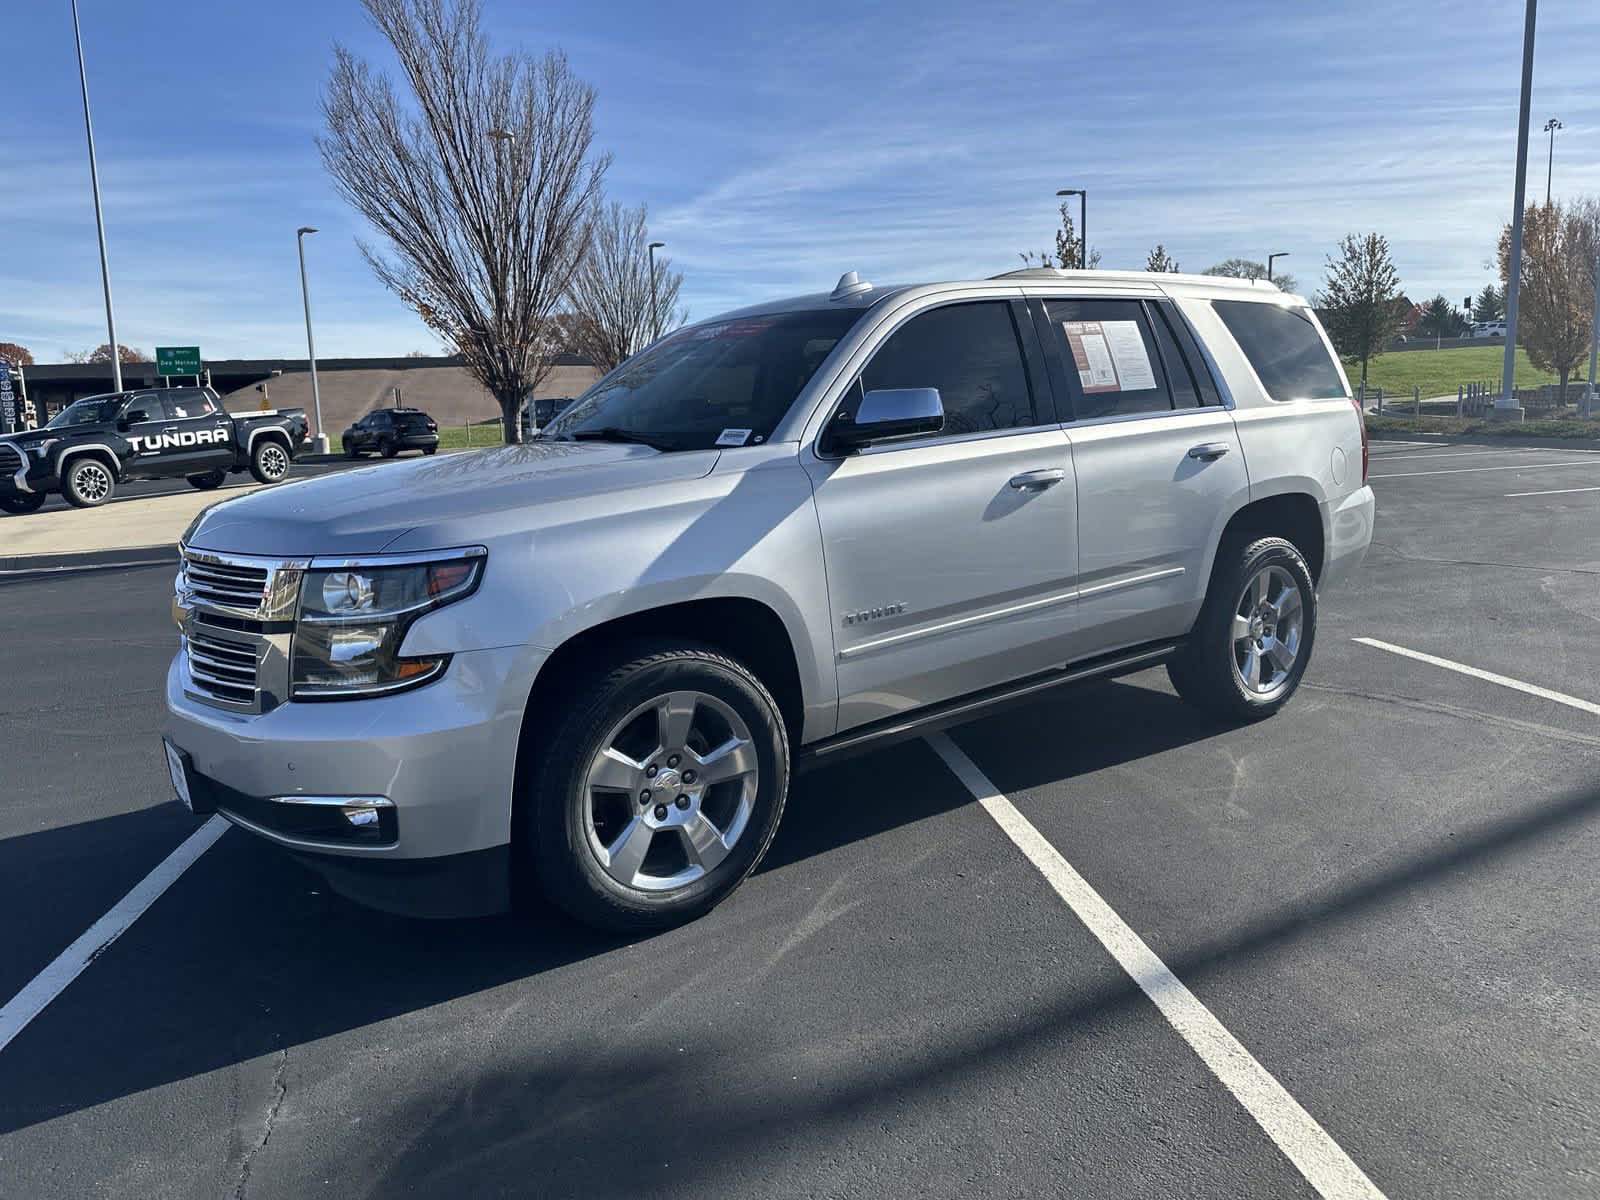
point(451, 499)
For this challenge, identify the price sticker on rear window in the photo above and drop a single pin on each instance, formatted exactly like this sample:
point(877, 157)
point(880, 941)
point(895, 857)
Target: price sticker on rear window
point(733, 437)
point(1110, 356)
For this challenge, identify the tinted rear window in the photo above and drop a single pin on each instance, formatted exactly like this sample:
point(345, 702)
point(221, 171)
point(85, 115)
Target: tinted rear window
point(1284, 347)
point(411, 420)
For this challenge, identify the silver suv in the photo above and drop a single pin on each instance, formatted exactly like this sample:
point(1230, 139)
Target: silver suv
point(593, 661)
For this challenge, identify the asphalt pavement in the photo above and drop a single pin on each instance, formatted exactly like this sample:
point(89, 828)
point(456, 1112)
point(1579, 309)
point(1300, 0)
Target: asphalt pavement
point(1385, 895)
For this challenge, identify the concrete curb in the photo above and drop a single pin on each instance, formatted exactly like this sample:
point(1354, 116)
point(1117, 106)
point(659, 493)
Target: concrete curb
point(12, 566)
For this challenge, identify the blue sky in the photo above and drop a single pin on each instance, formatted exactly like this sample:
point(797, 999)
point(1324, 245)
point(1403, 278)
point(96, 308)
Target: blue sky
point(779, 145)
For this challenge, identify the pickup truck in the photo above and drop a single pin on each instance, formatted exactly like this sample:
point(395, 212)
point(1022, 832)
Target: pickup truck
point(776, 537)
point(94, 444)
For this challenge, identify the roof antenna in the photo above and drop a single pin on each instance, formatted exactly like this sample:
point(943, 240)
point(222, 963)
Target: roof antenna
point(850, 284)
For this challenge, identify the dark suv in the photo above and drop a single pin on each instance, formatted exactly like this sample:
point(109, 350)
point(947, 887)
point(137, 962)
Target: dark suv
point(391, 430)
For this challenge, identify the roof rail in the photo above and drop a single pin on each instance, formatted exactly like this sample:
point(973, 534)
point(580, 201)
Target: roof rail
point(1056, 273)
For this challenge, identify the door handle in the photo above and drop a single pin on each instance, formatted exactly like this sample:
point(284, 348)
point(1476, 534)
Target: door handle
point(169, 429)
point(1208, 451)
point(1037, 481)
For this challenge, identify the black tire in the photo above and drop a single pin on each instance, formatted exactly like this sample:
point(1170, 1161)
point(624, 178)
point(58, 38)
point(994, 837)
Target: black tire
point(88, 483)
point(269, 461)
point(1211, 671)
point(430, 449)
point(22, 503)
point(208, 480)
point(387, 448)
point(349, 449)
point(569, 868)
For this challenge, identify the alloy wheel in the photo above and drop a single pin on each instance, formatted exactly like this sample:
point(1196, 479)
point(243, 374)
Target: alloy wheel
point(1268, 623)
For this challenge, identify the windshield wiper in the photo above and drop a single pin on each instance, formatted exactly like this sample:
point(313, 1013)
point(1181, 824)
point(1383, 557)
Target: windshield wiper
point(613, 433)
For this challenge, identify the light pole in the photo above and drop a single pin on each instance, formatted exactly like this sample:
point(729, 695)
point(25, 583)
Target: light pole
point(1550, 127)
point(320, 444)
point(99, 221)
point(1083, 224)
point(1591, 396)
point(1275, 254)
point(1506, 407)
point(655, 317)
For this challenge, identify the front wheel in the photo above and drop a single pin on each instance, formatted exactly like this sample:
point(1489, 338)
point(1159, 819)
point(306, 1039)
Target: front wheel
point(22, 503)
point(1252, 643)
point(349, 449)
point(269, 461)
point(88, 483)
point(208, 480)
point(660, 790)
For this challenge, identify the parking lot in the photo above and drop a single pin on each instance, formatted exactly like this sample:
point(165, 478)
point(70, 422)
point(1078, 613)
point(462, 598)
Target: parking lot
point(1380, 903)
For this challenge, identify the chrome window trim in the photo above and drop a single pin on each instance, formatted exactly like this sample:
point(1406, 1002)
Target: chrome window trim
point(1126, 418)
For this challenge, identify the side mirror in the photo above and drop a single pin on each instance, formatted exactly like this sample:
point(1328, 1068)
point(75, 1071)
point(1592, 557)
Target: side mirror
point(122, 424)
point(886, 413)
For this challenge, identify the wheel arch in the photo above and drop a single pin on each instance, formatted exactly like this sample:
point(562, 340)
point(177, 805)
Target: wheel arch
point(1293, 515)
point(106, 454)
point(271, 432)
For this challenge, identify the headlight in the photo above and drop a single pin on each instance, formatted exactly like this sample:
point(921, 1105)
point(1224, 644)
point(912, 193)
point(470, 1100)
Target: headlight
point(354, 617)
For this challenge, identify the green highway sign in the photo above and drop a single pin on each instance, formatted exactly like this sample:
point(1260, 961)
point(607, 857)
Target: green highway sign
point(177, 360)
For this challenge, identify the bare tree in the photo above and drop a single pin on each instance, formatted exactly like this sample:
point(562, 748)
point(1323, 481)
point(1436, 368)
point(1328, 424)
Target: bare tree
point(1159, 260)
point(614, 311)
point(1556, 294)
point(1248, 268)
point(482, 189)
point(1068, 255)
point(1358, 304)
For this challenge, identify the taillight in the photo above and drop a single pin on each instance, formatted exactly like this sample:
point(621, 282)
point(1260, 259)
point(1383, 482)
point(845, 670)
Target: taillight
point(1361, 420)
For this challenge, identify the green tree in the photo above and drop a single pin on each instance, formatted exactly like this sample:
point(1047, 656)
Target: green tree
point(1358, 302)
point(1441, 319)
point(1490, 304)
point(1248, 268)
point(1067, 247)
point(1556, 295)
point(1159, 260)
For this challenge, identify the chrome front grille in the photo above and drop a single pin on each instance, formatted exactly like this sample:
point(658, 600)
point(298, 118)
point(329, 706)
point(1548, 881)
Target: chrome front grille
point(232, 586)
point(223, 668)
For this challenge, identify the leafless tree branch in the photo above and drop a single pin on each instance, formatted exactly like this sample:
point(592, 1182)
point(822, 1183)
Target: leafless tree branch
point(614, 313)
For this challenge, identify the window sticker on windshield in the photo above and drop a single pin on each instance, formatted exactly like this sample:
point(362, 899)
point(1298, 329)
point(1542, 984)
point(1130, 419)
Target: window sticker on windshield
point(733, 437)
point(1110, 356)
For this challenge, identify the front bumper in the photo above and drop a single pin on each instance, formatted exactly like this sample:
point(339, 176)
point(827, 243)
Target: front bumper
point(439, 760)
point(1349, 536)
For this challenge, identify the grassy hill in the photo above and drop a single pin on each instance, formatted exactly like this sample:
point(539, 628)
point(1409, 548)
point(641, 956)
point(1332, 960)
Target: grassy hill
point(1437, 372)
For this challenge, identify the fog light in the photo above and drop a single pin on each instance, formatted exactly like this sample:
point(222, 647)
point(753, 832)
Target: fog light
point(361, 817)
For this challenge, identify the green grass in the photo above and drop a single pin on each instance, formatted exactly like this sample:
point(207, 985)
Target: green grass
point(1438, 372)
point(455, 437)
point(1481, 427)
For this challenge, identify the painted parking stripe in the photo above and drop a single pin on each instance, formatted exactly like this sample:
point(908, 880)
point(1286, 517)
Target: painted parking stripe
point(1556, 492)
point(69, 964)
point(1295, 1132)
point(1504, 681)
point(1486, 452)
point(1592, 462)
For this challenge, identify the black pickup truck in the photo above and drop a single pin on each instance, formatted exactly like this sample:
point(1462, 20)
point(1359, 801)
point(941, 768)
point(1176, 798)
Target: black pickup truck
point(153, 433)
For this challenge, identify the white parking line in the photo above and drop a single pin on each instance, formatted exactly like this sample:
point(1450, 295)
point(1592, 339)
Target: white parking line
point(1556, 492)
point(1295, 1132)
point(1593, 462)
point(69, 964)
point(1492, 450)
point(1504, 681)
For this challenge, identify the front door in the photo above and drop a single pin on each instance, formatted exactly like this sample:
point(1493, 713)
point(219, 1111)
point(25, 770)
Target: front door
point(142, 422)
point(950, 558)
point(1159, 466)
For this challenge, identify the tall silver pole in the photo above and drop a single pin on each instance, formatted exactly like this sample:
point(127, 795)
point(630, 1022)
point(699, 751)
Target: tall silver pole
point(99, 221)
point(655, 316)
point(1506, 403)
point(1594, 342)
point(320, 444)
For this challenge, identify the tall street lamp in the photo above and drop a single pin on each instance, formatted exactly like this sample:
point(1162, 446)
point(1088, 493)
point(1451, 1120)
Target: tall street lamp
point(1506, 407)
point(655, 317)
point(99, 221)
point(1083, 224)
point(320, 444)
point(1550, 127)
point(1275, 254)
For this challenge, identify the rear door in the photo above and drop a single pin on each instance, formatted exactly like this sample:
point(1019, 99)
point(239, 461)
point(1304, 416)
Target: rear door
point(1158, 463)
point(201, 431)
point(950, 558)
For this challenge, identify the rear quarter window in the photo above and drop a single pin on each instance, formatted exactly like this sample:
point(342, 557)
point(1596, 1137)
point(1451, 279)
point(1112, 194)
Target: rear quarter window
point(1285, 348)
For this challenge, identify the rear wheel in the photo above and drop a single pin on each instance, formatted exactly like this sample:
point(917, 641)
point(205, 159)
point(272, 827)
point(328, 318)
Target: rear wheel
point(22, 503)
point(88, 483)
point(430, 449)
point(269, 461)
point(660, 790)
point(387, 448)
point(208, 480)
point(1252, 643)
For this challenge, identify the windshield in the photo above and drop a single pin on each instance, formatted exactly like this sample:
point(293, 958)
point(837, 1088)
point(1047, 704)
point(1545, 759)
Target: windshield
point(90, 411)
point(724, 383)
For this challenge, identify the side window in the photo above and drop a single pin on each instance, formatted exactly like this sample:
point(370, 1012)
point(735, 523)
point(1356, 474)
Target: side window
point(971, 354)
point(1285, 349)
point(144, 408)
point(1185, 392)
point(182, 407)
point(1113, 363)
point(1198, 367)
